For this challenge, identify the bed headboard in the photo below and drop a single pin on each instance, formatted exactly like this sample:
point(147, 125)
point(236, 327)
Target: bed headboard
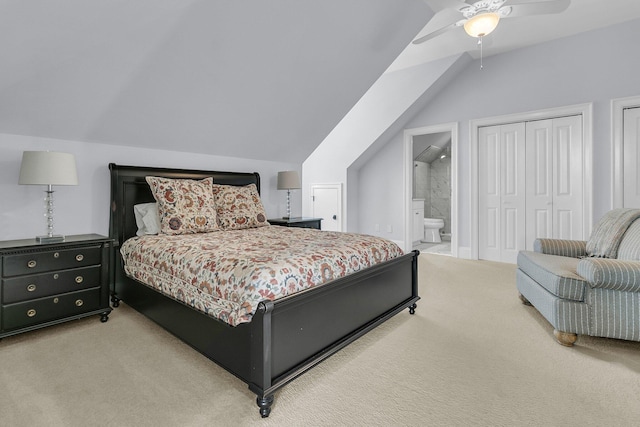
point(129, 187)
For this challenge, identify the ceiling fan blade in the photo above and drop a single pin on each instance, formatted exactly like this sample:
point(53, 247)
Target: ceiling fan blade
point(434, 34)
point(527, 8)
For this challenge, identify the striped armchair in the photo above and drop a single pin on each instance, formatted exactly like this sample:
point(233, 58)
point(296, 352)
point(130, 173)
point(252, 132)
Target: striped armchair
point(590, 288)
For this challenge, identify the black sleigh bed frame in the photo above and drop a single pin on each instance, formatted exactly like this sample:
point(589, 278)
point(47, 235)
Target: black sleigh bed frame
point(286, 337)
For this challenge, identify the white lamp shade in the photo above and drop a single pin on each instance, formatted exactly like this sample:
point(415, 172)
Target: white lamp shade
point(48, 168)
point(288, 180)
point(481, 24)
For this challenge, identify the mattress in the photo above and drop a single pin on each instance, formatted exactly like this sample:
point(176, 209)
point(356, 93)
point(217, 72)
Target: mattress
point(226, 274)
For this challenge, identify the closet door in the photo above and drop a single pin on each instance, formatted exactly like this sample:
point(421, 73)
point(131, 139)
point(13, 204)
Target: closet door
point(539, 180)
point(554, 179)
point(502, 191)
point(568, 181)
point(631, 156)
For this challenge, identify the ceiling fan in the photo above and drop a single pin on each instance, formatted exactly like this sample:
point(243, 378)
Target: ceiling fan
point(480, 18)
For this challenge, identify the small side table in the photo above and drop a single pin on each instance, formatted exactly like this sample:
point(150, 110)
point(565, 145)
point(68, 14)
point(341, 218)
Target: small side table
point(300, 222)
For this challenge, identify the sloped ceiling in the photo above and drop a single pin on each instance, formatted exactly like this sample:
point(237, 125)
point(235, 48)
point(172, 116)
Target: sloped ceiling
point(260, 79)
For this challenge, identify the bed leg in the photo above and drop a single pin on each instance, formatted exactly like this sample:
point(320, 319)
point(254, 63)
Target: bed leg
point(265, 405)
point(412, 308)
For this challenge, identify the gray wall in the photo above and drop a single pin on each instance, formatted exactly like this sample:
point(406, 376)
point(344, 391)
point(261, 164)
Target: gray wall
point(85, 208)
point(593, 67)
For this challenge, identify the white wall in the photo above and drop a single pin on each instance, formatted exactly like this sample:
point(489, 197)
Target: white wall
point(85, 208)
point(594, 67)
point(385, 102)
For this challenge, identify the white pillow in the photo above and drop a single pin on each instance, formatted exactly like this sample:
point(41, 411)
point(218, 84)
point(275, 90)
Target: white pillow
point(147, 218)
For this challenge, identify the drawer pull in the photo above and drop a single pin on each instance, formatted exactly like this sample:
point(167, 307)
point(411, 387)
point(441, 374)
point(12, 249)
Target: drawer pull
point(55, 276)
point(32, 263)
point(56, 255)
point(79, 279)
point(56, 300)
point(79, 257)
point(31, 287)
point(79, 303)
point(31, 313)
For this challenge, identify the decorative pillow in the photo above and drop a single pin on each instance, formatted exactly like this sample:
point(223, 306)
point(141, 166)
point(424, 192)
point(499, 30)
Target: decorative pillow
point(184, 205)
point(239, 207)
point(147, 218)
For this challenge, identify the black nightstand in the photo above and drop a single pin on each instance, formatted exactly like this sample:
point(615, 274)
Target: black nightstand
point(301, 222)
point(46, 284)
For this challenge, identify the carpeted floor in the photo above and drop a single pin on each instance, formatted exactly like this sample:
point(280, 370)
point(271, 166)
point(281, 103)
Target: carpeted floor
point(472, 355)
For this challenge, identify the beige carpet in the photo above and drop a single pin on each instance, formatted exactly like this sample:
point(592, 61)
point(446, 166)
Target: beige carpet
point(472, 355)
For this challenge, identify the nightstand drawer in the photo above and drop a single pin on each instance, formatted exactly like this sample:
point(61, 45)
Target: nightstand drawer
point(36, 262)
point(56, 282)
point(41, 310)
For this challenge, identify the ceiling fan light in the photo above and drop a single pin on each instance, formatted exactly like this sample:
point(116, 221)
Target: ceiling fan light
point(481, 24)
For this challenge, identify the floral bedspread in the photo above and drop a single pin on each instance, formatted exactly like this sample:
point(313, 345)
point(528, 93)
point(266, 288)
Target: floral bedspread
point(225, 274)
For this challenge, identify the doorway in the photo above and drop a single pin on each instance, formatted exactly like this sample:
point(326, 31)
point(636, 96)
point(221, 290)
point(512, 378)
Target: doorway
point(444, 142)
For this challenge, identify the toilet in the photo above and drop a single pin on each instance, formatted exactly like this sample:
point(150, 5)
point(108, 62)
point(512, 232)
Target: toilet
point(432, 228)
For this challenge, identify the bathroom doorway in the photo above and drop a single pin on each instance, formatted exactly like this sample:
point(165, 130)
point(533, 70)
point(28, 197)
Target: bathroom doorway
point(431, 192)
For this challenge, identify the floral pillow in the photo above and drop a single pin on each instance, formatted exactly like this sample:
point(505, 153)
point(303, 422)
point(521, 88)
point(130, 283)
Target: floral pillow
point(184, 205)
point(239, 207)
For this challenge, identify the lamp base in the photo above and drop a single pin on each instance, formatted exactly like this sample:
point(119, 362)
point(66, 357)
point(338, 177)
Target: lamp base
point(50, 239)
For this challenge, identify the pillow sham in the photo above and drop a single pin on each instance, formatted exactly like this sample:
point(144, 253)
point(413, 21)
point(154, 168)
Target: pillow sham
point(185, 206)
point(147, 218)
point(239, 207)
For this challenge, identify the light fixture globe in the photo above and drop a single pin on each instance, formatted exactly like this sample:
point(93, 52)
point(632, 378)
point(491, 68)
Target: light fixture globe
point(482, 24)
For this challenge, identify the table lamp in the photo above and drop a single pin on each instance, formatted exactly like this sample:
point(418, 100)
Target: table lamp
point(288, 180)
point(48, 168)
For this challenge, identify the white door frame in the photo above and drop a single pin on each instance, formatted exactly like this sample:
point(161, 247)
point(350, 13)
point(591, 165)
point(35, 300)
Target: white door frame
point(617, 172)
point(586, 110)
point(408, 180)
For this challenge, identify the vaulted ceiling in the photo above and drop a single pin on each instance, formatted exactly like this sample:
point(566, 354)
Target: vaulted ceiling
point(261, 79)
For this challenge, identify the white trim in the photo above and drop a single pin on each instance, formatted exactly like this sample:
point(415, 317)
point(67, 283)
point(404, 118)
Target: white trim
point(334, 186)
point(408, 180)
point(586, 110)
point(617, 141)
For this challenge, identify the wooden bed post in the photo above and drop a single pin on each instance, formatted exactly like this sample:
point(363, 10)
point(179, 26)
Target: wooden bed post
point(261, 357)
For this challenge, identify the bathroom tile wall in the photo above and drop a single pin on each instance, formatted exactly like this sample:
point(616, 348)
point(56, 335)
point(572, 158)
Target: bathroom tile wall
point(440, 189)
point(422, 189)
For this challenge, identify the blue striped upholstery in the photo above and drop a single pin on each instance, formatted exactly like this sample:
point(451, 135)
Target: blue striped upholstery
point(615, 314)
point(557, 274)
point(590, 288)
point(564, 315)
point(608, 232)
point(571, 248)
point(611, 274)
point(629, 248)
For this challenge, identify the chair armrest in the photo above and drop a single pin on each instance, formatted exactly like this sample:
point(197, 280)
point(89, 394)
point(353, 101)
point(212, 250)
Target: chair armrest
point(569, 248)
point(614, 274)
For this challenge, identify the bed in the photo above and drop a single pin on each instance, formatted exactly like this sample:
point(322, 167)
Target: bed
point(285, 337)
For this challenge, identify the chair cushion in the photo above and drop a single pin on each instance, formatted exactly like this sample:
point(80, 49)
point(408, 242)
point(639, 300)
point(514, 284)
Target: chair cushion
point(629, 249)
point(557, 274)
point(608, 232)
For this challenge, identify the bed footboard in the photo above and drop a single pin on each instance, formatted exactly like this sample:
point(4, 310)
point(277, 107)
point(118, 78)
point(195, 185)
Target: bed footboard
point(298, 332)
